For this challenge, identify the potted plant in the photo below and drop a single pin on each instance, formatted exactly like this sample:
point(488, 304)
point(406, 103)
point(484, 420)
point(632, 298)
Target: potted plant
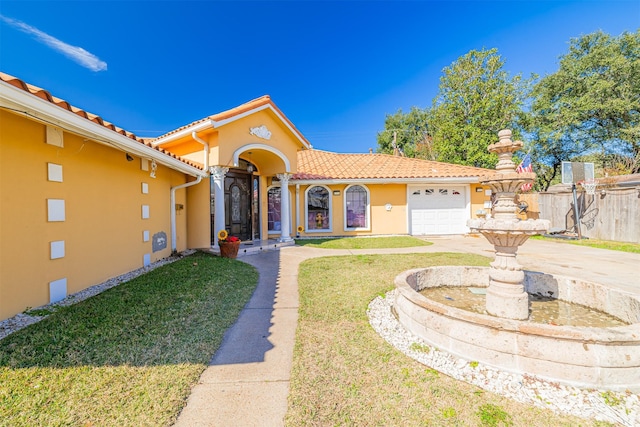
point(229, 245)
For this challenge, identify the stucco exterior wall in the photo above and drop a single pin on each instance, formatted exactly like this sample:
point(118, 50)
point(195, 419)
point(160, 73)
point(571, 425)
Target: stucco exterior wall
point(101, 233)
point(236, 134)
point(382, 221)
point(478, 199)
point(395, 220)
point(199, 215)
point(224, 141)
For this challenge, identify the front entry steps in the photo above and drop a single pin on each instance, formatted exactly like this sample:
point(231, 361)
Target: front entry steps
point(255, 246)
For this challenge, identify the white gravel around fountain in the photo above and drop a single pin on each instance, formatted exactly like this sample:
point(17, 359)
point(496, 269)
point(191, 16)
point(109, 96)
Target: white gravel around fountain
point(621, 408)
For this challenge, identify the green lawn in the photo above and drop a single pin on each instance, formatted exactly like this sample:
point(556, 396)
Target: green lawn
point(129, 356)
point(126, 357)
point(344, 374)
point(594, 243)
point(364, 242)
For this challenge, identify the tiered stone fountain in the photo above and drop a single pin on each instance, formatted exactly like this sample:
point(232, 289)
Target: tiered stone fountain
point(506, 296)
point(503, 336)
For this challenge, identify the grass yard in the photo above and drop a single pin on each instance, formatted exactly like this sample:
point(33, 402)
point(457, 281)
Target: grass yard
point(364, 242)
point(126, 357)
point(595, 243)
point(345, 374)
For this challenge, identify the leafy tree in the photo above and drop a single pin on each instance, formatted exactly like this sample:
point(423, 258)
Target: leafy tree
point(591, 104)
point(406, 133)
point(477, 98)
point(547, 156)
point(619, 164)
point(609, 165)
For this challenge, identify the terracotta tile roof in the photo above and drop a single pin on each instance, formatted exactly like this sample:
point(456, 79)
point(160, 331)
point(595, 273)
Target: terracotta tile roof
point(318, 165)
point(43, 94)
point(264, 100)
point(312, 164)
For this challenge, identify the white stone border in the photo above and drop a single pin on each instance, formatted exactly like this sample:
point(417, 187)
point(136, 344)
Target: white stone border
point(22, 320)
point(523, 388)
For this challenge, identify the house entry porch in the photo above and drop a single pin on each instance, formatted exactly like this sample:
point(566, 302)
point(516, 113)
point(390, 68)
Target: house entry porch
point(256, 246)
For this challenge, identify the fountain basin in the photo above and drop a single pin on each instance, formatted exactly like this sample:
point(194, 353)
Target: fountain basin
point(586, 357)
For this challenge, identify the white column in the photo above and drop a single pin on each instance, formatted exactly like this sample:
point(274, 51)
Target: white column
point(218, 173)
point(285, 206)
point(297, 208)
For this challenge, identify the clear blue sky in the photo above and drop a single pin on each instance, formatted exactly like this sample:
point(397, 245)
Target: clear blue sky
point(334, 68)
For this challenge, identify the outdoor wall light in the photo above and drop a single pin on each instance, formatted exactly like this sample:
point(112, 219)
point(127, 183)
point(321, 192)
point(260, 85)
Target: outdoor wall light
point(336, 192)
point(388, 206)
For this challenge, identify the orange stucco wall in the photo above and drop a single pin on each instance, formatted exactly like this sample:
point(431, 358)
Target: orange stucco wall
point(382, 221)
point(223, 142)
point(226, 139)
point(478, 198)
point(236, 134)
point(395, 220)
point(199, 215)
point(103, 225)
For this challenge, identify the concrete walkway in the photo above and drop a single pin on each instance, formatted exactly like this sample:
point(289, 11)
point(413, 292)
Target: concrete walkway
point(247, 382)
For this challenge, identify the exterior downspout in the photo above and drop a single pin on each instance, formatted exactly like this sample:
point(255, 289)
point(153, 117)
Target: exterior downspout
point(206, 149)
point(174, 237)
point(173, 210)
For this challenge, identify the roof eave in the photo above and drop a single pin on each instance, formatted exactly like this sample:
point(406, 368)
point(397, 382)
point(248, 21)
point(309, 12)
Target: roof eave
point(449, 180)
point(213, 124)
point(19, 101)
point(303, 141)
point(196, 127)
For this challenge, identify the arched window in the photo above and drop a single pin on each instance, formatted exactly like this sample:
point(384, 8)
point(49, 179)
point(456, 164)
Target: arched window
point(356, 208)
point(273, 209)
point(318, 209)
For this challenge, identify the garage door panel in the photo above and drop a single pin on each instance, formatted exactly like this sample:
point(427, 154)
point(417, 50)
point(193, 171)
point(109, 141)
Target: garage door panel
point(430, 215)
point(443, 214)
point(444, 229)
point(442, 210)
point(431, 229)
point(457, 215)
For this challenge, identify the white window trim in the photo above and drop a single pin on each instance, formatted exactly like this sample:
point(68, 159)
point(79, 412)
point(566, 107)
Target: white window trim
point(306, 210)
point(367, 226)
point(269, 188)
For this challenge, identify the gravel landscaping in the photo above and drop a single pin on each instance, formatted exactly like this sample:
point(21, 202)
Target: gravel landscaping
point(621, 408)
point(24, 319)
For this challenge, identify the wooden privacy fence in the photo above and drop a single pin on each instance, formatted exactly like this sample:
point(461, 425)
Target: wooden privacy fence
point(610, 214)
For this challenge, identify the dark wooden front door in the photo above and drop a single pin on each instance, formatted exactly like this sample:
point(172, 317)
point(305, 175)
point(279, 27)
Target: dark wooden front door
point(237, 204)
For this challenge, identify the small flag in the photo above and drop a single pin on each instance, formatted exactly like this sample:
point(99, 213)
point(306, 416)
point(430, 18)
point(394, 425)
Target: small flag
point(525, 166)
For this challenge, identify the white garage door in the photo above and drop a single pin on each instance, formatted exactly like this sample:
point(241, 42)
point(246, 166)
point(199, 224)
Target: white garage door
point(438, 210)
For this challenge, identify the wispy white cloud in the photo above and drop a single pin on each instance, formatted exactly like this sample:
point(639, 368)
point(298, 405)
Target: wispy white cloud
point(75, 53)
